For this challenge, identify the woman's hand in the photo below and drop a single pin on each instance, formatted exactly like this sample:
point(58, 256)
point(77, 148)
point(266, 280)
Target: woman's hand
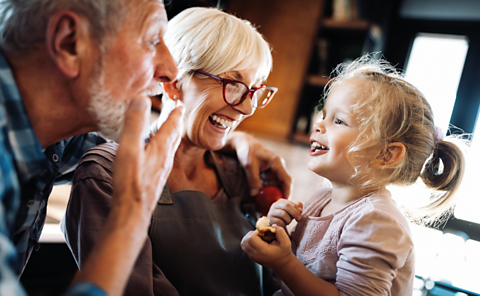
point(283, 211)
point(256, 158)
point(274, 255)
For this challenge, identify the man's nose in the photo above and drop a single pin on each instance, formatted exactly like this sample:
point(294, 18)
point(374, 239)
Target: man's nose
point(165, 67)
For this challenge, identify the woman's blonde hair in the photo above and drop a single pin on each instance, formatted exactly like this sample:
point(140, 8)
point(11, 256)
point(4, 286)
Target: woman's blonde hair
point(393, 110)
point(214, 41)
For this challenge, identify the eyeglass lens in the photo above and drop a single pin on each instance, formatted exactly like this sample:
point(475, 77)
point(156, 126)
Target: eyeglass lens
point(235, 93)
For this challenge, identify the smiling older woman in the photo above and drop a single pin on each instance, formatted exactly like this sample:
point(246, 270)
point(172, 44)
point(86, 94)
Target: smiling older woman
point(205, 208)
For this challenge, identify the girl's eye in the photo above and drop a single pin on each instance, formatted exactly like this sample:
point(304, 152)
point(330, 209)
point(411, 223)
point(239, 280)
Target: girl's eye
point(338, 121)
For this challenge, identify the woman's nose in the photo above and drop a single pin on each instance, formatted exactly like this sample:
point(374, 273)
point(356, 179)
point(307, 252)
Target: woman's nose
point(245, 107)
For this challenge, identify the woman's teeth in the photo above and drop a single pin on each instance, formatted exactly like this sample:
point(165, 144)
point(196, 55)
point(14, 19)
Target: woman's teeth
point(220, 122)
point(317, 146)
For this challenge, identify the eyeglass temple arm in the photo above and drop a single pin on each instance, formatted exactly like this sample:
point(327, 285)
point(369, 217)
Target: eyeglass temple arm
point(209, 75)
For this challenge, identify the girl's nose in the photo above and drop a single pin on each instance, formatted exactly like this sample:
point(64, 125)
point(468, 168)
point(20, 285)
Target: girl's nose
point(318, 127)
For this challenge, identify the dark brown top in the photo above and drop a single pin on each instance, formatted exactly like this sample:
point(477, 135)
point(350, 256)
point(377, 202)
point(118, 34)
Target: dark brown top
point(89, 206)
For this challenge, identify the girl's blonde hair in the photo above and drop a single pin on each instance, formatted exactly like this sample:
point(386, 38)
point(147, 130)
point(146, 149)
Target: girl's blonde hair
point(393, 110)
point(214, 41)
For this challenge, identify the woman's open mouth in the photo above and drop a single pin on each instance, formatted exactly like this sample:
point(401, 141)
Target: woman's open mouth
point(221, 122)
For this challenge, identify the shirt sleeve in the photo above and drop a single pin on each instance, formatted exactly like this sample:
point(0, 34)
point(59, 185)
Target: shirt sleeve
point(9, 284)
point(72, 149)
point(9, 202)
point(372, 247)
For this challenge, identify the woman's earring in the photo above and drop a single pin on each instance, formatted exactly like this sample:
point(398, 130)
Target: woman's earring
point(175, 97)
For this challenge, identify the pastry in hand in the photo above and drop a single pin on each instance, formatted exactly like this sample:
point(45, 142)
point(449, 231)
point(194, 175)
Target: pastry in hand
point(264, 230)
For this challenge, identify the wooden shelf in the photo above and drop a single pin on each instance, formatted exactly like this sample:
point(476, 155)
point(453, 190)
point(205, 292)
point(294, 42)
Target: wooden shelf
point(317, 80)
point(346, 25)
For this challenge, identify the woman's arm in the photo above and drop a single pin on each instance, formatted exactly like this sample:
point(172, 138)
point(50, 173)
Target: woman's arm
point(256, 158)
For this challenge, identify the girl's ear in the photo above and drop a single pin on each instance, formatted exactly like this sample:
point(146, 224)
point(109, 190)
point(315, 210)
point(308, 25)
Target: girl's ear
point(390, 156)
point(172, 89)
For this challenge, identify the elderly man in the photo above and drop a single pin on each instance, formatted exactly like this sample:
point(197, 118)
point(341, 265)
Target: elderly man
point(67, 68)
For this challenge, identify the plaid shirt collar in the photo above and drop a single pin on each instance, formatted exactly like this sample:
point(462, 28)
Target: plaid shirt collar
point(25, 147)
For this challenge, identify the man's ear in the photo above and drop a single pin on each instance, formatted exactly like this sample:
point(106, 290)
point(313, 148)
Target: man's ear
point(172, 89)
point(65, 37)
point(389, 156)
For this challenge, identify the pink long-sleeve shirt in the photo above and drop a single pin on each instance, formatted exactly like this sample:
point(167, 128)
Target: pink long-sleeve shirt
point(364, 249)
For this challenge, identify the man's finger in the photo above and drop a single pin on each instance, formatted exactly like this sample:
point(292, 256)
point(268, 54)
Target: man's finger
point(168, 132)
point(135, 118)
point(162, 147)
point(131, 143)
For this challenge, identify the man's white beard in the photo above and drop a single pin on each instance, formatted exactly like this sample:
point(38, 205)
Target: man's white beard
point(108, 113)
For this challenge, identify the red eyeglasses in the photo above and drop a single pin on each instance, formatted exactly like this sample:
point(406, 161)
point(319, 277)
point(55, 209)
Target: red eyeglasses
point(235, 92)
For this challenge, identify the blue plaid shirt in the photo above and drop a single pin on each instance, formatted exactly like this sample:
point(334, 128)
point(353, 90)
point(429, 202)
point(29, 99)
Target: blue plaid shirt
point(27, 175)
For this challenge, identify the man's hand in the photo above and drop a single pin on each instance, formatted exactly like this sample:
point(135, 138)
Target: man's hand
point(255, 159)
point(283, 211)
point(140, 172)
point(273, 255)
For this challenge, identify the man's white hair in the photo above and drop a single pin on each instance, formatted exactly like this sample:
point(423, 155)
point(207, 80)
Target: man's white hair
point(216, 42)
point(23, 22)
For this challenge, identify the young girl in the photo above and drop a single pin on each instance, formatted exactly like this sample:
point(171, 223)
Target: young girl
point(351, 239)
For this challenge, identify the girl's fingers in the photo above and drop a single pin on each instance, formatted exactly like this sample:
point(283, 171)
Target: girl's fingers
point(286, 210)
point(281, 235)
point(247, 245)
point(299, 205)
point(279, 217)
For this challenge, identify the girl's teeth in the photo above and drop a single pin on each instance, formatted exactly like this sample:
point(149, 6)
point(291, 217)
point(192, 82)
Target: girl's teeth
point(316, 145)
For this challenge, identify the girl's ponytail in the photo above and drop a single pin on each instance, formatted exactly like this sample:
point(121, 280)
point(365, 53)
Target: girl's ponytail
point(443, 172)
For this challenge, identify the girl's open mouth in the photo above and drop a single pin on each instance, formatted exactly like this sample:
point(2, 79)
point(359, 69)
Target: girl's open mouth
point(315, 146)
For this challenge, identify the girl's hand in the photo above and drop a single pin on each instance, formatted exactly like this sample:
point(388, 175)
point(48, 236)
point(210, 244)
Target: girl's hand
point(283, 211)
point(274, 255)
